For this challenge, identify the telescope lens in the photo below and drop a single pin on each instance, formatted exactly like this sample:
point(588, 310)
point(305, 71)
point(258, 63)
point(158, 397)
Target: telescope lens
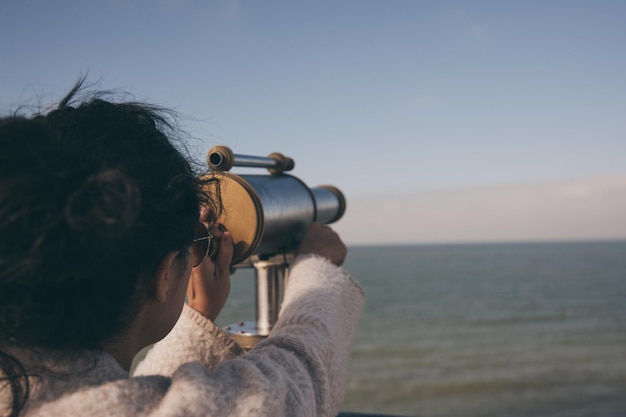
point(215, 159)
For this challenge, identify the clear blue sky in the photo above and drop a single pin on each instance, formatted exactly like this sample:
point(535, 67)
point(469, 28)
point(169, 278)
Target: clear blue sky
point(385, 99)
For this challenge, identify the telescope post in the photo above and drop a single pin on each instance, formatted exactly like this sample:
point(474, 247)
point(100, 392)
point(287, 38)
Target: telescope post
point(271, 276)
point(270, 280)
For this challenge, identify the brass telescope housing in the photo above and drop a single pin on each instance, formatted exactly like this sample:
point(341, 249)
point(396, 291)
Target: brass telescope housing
point(267, 216)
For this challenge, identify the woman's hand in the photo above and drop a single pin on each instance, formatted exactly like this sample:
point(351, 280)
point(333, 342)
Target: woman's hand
point(323, 241)
point(209, 284)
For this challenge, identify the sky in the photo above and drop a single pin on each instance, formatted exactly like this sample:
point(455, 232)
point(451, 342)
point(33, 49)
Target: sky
point(441, 121)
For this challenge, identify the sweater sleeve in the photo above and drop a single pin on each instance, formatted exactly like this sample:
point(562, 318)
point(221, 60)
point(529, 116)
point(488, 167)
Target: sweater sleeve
point(301, 369)
point(194, 338)
point(317, 324)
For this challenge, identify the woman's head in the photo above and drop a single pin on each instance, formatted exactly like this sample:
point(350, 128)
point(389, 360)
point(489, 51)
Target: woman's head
point(92, 196)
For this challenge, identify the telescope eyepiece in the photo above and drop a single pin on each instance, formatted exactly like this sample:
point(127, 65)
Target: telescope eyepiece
point(220, 158)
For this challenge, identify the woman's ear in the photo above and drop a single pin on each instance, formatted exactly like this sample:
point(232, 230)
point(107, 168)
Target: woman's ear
point(164, 276)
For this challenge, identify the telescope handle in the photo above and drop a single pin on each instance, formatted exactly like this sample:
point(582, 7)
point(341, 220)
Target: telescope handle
point(221, 159)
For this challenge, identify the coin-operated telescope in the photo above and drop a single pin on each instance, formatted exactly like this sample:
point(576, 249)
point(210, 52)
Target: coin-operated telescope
point(267, 216)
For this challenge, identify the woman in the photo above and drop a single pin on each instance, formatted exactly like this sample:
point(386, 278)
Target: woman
point(100, 242)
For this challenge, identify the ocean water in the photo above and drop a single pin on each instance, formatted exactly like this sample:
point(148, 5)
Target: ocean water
point(484, 330)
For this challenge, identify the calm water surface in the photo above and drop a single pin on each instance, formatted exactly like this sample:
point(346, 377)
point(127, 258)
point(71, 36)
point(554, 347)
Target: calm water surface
point(485, 330)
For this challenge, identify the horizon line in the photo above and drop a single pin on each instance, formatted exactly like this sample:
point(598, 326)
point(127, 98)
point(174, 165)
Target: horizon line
point(494, 242)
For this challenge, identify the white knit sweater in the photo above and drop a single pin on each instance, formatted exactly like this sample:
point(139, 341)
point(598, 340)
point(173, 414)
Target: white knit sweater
point(198, 370)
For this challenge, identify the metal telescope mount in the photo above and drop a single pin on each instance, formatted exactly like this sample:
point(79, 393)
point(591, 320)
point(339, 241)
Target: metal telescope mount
point(267, 216)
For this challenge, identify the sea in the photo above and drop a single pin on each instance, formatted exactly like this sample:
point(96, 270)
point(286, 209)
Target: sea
point(515, 329)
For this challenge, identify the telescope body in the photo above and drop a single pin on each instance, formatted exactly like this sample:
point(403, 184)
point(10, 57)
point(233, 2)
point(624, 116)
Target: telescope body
point(269, 214)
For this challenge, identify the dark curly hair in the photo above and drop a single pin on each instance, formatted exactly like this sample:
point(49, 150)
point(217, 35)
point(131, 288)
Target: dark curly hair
point(92, 196)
